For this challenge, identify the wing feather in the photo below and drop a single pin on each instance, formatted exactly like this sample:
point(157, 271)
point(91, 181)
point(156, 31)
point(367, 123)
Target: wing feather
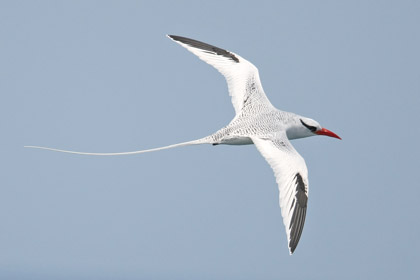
point(292, 179)
point(241, 76)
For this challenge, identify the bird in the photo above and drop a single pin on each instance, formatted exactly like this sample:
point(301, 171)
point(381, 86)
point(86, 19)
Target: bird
point(257, 122)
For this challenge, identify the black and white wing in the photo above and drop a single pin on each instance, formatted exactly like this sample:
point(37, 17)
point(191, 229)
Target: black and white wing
point(241, 76)
point(292, 179)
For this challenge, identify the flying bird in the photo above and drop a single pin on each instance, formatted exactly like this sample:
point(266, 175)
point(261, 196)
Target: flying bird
point(256, 122)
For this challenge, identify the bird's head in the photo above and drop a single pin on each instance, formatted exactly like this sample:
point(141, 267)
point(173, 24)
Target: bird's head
point(312, 128)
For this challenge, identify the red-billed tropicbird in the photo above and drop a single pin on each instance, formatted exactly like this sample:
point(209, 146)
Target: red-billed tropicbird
point(257, 122)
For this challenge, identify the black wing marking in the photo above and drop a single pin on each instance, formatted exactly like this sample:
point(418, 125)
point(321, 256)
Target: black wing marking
point(299, 214)
point(205, 47)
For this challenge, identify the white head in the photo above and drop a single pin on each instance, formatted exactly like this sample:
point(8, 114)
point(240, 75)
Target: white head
point(306, 127)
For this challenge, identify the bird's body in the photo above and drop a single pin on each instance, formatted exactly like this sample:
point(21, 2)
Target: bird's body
point(263, 124)
point(257, 122)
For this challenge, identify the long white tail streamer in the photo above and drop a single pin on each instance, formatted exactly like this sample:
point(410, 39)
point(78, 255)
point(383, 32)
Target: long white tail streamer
point(194, 142)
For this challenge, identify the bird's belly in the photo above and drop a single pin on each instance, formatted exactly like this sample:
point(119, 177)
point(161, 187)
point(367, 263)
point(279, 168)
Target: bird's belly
point(237, 141)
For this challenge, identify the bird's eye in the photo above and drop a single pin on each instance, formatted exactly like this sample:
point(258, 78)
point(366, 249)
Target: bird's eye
point(310, 127)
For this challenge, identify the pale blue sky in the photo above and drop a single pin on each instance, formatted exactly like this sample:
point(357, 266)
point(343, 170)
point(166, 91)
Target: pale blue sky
point(101, 76)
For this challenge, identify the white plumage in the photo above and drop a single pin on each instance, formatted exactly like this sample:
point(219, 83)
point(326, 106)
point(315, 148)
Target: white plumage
point(256, 122)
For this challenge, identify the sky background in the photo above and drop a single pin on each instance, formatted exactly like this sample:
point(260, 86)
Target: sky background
point(101, 76)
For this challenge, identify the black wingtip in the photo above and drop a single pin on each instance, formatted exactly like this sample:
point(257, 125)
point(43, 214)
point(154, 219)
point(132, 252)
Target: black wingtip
point(299, 213)
point(204, 46)
point(180, 38)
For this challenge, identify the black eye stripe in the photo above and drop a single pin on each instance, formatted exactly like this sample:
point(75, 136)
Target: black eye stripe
point(311, 128)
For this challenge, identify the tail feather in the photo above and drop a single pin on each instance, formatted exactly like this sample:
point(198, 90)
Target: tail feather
point(205, 140)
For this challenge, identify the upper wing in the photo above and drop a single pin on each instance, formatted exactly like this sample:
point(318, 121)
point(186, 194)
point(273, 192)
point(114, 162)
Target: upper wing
point(242, 76)
point(292, 179)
